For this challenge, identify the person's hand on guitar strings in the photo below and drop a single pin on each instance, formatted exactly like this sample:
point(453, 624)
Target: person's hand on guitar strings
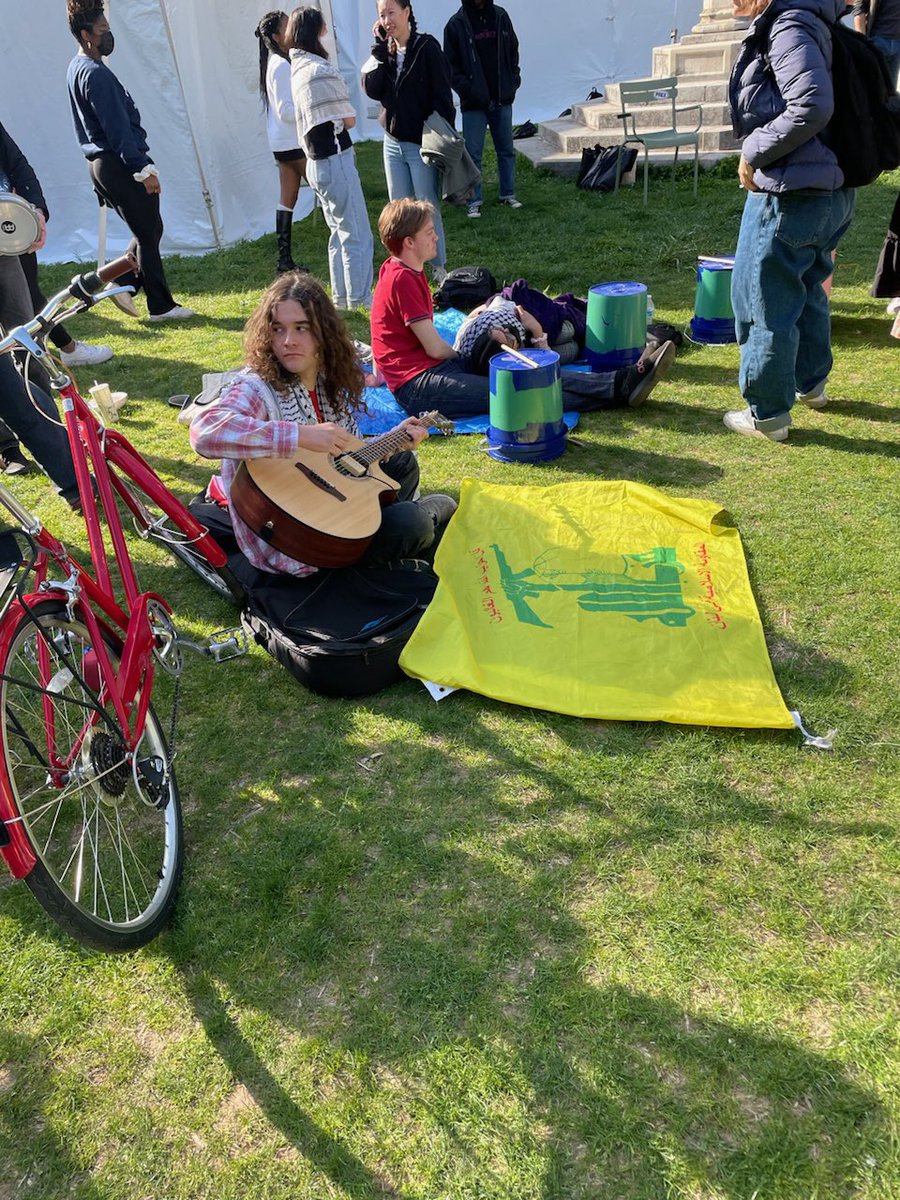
point(414, 429)
point(325, 438)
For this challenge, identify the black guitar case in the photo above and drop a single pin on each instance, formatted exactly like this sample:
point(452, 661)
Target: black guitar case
point(339, 632)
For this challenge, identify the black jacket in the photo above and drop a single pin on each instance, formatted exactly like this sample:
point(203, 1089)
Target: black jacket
point(422, 88)
point(466, 73)
point(17, 175)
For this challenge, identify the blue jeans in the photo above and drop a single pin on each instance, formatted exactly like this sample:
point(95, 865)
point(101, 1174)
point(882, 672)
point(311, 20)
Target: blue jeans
point(336, 182)
point(453, 389)
point(474, 127)
point(890, 48)
point(781, 312)
point(407, 175)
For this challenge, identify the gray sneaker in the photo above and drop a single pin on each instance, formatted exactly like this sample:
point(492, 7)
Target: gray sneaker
point(440, 508)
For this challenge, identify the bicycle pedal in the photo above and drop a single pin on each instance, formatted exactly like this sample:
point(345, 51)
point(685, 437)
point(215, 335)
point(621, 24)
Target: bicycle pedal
point(227, 643)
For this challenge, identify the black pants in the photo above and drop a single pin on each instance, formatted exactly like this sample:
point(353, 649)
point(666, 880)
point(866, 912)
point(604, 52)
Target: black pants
point(140, 212)
point(407, 531)
point(58, 335)
point(16, 309)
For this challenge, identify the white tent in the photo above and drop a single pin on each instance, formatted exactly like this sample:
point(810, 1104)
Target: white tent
point(191, 67)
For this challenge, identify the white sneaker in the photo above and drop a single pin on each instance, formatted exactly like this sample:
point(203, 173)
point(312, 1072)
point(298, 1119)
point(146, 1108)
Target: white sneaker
point(741, 421)
point(814, 399)
point(510, 202)
point(893, 307)
point(474, 209)
point(85, 356)
point(178, 313)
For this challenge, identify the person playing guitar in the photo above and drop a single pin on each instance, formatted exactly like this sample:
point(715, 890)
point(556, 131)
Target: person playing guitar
point(297, 393)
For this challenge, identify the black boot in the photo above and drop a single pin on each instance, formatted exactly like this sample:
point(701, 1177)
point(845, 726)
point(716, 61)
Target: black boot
point(283, 222)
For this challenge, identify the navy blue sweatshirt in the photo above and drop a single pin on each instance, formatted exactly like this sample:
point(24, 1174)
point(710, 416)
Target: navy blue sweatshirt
point(106, 118)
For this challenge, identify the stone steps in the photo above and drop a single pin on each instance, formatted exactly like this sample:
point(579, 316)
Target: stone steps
point(570, 137)
point(701, 62)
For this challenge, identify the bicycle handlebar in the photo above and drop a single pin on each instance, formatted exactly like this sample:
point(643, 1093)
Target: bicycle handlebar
point(85, 289)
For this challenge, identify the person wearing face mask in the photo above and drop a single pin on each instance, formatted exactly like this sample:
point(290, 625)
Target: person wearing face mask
point(108, 130)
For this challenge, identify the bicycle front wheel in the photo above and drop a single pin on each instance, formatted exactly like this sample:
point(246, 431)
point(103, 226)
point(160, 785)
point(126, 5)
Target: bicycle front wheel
point(165, 527)
point(106, 832)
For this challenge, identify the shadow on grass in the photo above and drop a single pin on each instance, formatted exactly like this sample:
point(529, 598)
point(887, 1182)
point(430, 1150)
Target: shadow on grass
point(605, 461)
point(847, 445)
point(435, 956)
point(35, 1160)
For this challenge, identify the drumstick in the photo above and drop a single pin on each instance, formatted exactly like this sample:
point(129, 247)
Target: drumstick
point(522, 357)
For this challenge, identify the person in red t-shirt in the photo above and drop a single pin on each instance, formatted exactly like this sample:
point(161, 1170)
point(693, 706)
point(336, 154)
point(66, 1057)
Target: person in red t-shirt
point(423, 371)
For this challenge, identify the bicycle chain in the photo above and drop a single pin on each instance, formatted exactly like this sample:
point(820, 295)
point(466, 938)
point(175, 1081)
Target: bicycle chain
point(176, 698)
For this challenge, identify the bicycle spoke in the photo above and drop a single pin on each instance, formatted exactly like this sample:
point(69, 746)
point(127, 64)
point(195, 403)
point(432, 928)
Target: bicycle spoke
point(106, 855)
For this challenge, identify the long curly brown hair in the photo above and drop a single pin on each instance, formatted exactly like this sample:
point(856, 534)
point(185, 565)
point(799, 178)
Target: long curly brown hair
point(339, 371)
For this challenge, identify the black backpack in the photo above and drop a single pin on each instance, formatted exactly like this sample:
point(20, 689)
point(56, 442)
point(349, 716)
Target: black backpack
point(465, 288)
point(864, 132)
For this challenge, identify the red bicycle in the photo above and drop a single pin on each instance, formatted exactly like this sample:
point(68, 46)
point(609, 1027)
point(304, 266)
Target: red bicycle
point(90, 815)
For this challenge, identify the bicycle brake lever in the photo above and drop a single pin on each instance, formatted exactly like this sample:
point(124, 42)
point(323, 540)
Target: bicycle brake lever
point(105, 293)
point(23, 338)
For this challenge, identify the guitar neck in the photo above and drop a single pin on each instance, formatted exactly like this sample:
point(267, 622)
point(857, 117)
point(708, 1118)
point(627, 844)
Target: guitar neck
point(380, 447)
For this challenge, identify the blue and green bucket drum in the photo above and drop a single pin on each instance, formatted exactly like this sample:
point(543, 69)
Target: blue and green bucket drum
point(616, 325)
point(526, 408)
point(713, 320)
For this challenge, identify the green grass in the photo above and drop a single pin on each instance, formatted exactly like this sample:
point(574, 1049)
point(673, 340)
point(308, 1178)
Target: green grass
point(519, 955)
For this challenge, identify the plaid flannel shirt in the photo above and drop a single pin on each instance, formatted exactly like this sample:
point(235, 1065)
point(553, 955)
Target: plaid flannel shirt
point(237, 426)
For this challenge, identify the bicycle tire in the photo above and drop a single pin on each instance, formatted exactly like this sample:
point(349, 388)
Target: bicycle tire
point(137, 846)
point(163, 523)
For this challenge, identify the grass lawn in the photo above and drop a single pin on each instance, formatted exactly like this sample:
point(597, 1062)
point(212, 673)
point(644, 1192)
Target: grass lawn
point(519, 955)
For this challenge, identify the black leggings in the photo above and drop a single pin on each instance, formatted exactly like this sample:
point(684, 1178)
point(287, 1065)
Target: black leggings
point(139, 209)
point(58, 335)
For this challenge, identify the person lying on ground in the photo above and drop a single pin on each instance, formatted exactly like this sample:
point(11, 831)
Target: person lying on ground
point(424, 371)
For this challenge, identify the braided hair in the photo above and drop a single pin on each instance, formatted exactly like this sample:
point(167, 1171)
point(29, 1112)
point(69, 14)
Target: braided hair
point(265, 33)
point(412, 16)
point(83, 14)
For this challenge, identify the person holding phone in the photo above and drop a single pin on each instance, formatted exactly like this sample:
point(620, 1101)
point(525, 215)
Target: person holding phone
point(409, 75)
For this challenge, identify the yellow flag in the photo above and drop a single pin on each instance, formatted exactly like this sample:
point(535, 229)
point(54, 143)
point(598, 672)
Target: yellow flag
point(602, 599)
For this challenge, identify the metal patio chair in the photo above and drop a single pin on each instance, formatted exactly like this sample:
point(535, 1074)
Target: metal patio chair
point(645, 93)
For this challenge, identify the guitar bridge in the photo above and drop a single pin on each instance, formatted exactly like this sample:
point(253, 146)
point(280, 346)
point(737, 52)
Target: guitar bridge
point(316, 479)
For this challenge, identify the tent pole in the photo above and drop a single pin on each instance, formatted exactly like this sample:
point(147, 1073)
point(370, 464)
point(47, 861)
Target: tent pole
point(207, 194)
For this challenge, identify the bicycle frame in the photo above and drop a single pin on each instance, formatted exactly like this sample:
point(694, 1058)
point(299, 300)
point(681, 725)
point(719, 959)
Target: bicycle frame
point(135, 624)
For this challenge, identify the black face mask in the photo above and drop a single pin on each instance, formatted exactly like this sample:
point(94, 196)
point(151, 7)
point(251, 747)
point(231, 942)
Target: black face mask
point(106, 44)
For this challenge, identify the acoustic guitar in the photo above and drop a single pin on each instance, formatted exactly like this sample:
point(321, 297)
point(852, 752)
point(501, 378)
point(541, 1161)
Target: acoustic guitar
point(322, 509)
